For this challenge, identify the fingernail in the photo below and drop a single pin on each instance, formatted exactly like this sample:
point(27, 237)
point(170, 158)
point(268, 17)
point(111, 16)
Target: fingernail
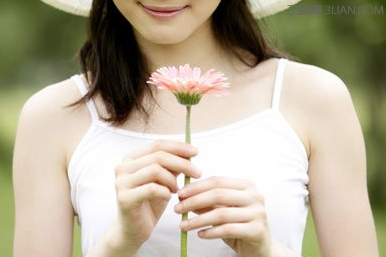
point(193, 149)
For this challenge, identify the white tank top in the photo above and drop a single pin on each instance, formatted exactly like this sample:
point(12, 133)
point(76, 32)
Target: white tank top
point(263, 148)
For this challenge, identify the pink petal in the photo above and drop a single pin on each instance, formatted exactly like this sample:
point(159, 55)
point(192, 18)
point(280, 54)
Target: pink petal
point(186, 79)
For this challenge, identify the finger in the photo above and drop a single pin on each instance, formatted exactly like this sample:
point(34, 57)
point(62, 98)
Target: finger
point(153, 173)
point(245, 231)
point(204, 210)
point(171, 162)
point(213, 182)
point(178, 148)
point(133, 198)
point(220, 216)
point(217, 196)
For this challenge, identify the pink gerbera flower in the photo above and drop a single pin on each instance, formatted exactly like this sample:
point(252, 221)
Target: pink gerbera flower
point(188, 85)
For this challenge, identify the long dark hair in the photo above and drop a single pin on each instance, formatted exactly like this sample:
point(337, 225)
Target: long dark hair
point(116, 69)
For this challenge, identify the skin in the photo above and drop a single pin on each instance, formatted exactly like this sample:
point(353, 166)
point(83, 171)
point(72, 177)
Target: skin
point(315, 102)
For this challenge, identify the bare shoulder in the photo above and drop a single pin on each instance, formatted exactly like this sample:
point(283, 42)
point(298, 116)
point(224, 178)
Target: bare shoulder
point(51, 99)
point(315, 101)
point(41, 186)
point(48, 117)
point(315, 86)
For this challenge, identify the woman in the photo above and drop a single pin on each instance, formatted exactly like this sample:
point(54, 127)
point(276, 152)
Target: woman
point(107, 148)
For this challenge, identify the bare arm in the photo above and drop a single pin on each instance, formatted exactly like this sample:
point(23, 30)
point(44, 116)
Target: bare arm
point(338, 188)
point(44, 216)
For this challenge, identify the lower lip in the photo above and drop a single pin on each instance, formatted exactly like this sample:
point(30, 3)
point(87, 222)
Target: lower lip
point(159, 14)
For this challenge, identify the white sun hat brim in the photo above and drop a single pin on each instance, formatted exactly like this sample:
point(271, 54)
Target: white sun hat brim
point(263, 8)
point(259, 8)
point(77, 7)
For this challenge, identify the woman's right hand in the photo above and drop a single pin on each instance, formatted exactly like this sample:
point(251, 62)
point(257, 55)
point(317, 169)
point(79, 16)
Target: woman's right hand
point(145, 180)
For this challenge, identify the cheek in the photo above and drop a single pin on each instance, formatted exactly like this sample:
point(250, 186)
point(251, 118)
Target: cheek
point(121, 6)
point(129, 9)
point(205, 8)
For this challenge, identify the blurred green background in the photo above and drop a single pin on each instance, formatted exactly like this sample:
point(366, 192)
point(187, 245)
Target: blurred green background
point(38, 45)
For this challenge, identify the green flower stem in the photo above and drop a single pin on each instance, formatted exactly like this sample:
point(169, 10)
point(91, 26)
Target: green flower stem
point(184, 234)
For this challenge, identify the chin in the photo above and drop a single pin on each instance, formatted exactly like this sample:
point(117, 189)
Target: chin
point(166, 38)
point(166, 41)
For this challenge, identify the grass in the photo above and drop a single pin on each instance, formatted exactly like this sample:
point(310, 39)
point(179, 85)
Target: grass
point(10, 105)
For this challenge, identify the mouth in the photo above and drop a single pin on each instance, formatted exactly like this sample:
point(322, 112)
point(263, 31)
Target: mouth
point(163, 11)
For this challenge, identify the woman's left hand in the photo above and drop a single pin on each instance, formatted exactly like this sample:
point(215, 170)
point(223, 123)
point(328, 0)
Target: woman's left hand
point(230, 209)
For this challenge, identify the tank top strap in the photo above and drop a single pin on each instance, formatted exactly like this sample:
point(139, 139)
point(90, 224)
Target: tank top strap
point(83, 90)
point(278, 83)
